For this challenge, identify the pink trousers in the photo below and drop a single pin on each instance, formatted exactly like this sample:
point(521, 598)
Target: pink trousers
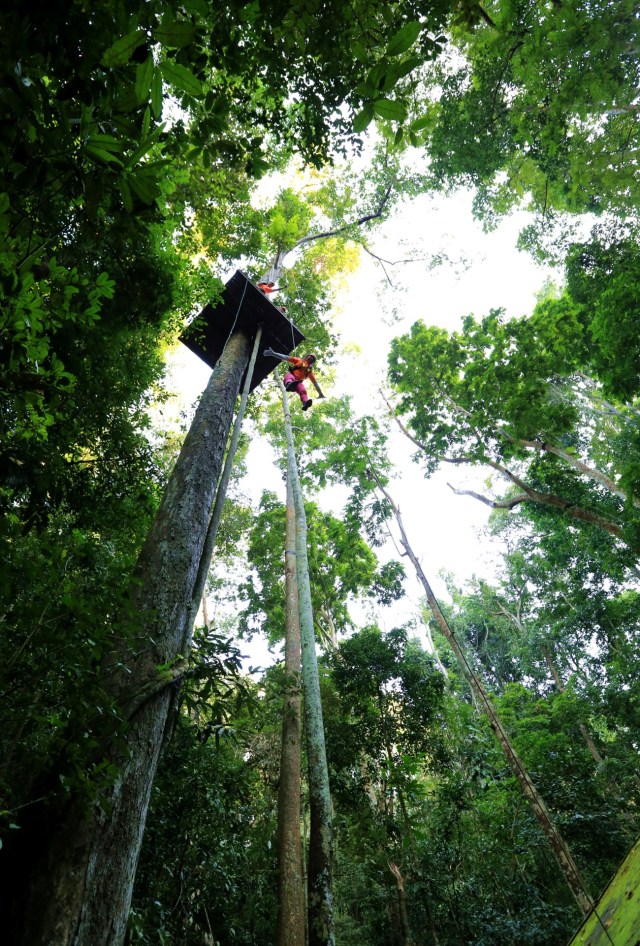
point(299, 388)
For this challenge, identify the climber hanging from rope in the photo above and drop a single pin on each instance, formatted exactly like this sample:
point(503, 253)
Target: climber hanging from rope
point(267, 288)
point(297, 375)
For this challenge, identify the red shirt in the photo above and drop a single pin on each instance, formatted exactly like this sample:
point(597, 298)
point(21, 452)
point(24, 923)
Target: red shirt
point(301, 370)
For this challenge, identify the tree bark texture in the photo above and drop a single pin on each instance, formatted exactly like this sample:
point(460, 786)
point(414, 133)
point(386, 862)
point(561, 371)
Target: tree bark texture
point(405, 931)
point(320, 892)
point(291, 906)
point(218, 505)
point(80, 888)
point(556, 841)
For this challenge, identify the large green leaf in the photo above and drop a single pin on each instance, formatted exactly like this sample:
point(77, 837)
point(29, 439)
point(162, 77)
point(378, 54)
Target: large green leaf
point(399, 70)
point(105, 143)
point(391, 109)
point(145, 146)
point(144, 75)
point(100, 155)
point(181, 78)
point(144, 184)
point(120, 53)
point(362, 119)
point(175, 34)
point(125, 191)
point(421, 123)
point(404, 39)
point(156, 93)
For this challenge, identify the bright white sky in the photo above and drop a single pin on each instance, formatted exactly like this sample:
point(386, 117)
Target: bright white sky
point(445, 530)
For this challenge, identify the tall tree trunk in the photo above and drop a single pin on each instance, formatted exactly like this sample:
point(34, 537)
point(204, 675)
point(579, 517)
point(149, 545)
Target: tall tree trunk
point(555, 839)
point(403, 912)
point(320, 893)
point(79, 891)
point(221, 495)
point(291, 925)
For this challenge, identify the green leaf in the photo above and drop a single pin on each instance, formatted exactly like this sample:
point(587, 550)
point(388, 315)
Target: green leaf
point(365, 89)
point(404, 38)
point(144, 186)
point(179, 77)
point(105, 143)
point(378, 74)
point(120, 53)
point(421, 123)
point(125, 191)
point(99, 154)
point(144, 147)
point(144, 74)
point(156, 93)
point(174, 35)
point(393, 110)
point(399, 70)
point(362, 119)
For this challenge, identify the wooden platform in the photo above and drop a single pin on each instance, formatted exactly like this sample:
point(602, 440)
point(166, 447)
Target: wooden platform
point(242, 307)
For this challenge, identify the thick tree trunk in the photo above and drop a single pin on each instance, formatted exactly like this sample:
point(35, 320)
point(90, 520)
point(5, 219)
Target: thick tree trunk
point(291, 920)
point(221, 495)
point(555, 839)
point(320, 893)
point(80, 887)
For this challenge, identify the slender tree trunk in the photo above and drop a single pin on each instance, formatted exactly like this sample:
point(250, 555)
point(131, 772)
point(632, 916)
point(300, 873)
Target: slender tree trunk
point(320, 893)
point(80, 887)
point(555, 839)
point(205, 612)
point(393, 917)
point(291, 906)
point(403, 912)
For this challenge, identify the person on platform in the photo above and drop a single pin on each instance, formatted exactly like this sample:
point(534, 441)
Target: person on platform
point(267, 288)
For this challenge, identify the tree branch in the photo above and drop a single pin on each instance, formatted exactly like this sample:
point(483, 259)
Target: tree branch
point(493, 503)
point(402, 427)
point(380, 260)
point(546, 499)
point(274, 270)
point(347, 226)
point(157, 684)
